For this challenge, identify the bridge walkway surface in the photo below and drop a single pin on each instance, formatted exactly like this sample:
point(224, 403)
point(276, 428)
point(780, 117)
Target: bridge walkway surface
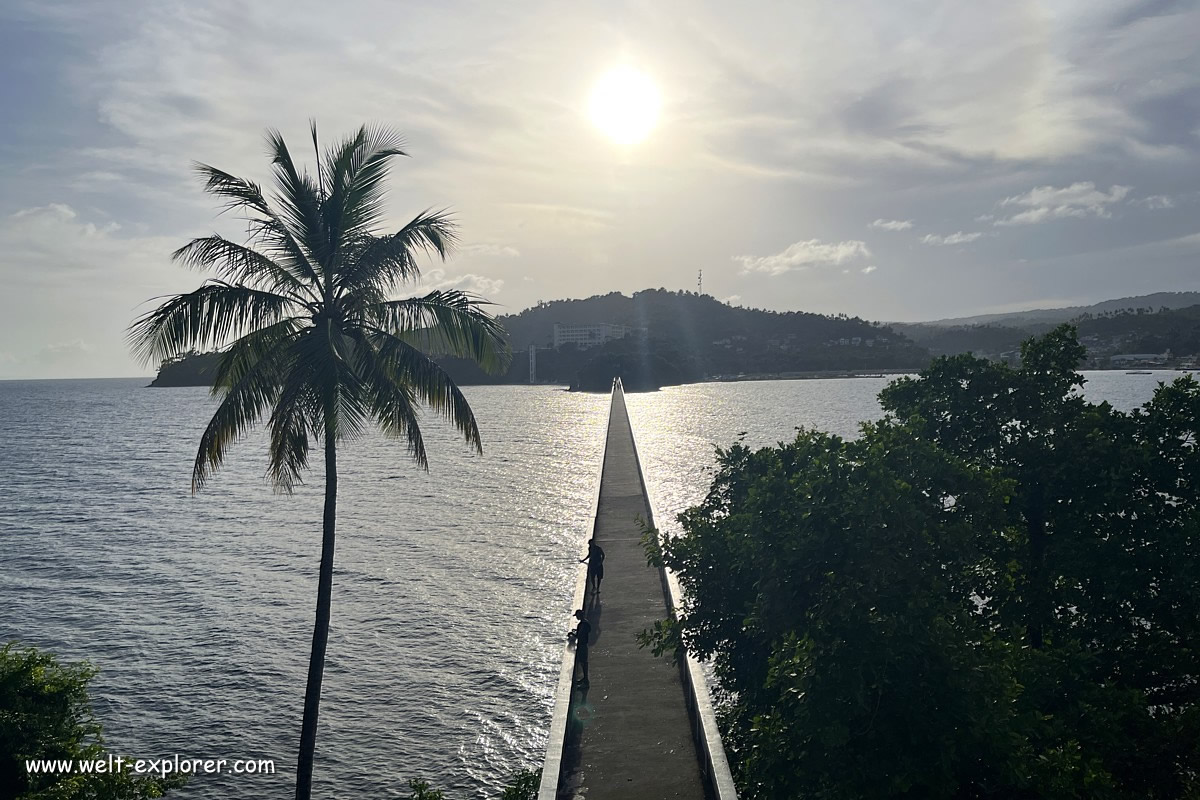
point(634, 729)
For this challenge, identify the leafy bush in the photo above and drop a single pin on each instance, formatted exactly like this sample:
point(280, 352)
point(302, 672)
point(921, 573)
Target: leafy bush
point(45, 713)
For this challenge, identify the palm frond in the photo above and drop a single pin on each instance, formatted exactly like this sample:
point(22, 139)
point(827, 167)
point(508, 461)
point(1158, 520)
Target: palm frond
point(447, 323)
point(393, 402)
point(299, 199)
point(239, 264)
point(292, 420)
point(206, 319)
point(350, 404)
point(244, 354)
point(385, 262)
point(238, 192)
point(266, 226)
point(245, 399)
point(356, 170)
point(403, 364)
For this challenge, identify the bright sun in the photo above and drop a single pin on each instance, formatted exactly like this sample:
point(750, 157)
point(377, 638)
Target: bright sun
point(624, 105)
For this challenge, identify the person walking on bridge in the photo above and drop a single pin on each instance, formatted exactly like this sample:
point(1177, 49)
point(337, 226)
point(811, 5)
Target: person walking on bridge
point(595, 561)
point(583, 635)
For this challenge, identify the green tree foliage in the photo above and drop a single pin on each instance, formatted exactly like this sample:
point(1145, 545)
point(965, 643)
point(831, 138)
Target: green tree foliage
point(523, 785)
point(314, 344)
point(45, 713)
point(990, 593)
point(421, 790)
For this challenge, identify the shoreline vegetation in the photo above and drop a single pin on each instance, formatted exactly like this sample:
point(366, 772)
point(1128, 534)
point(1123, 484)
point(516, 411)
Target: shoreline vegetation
point(991, 592)
point(195, 370)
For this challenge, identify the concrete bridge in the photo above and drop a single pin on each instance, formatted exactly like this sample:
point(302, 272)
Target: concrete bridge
point(640, 728)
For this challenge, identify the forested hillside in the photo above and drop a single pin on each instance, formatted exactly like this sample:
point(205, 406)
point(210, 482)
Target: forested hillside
point(677, 337)
point(715, 338)
point(1104, 333)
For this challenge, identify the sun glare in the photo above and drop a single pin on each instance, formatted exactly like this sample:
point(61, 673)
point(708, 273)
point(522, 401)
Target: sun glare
point(624, 105)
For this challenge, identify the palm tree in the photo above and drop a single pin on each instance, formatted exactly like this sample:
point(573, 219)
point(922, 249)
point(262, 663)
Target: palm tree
point(312, 341)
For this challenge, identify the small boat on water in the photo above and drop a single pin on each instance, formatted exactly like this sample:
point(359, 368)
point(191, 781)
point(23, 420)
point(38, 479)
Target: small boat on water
point(1139, 372)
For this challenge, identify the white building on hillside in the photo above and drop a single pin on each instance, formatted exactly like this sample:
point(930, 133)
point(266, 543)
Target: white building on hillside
point(584, 336)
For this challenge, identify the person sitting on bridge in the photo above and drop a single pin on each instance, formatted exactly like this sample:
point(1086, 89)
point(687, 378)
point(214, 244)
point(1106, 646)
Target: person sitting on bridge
point(595, 561)
point(582, 635)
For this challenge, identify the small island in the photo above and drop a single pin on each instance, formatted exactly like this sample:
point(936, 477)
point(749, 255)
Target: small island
point(189, 369)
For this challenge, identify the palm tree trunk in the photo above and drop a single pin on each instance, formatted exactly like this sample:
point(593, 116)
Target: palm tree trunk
point(316, 661)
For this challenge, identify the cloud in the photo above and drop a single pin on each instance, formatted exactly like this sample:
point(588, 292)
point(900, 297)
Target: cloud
point(64, 351)
point(489, 249)
point(57, 217)
point(49, 244)
point(436, 278)
point(950, 239)
point(1045, 203)
point(562, 218)
point(1154, 202)
point(73, 282)
point(869, 270)
point(801, 255)
point(892, 224)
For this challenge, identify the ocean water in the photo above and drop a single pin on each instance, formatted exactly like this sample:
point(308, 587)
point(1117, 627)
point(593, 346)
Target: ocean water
point(678, 428)
point(451, 589)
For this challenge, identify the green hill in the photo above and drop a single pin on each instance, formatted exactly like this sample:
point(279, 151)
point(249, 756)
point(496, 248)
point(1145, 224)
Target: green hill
point(714, 338)
point(1049, 317)
point(676, 337)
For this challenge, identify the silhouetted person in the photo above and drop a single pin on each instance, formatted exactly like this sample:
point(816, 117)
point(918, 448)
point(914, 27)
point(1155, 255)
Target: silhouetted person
point(595, 561)
point(582, 633)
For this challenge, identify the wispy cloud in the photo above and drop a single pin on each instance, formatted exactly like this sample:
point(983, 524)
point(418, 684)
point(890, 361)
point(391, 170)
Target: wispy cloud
point(1155, 202)
point(74, 280)
point(1045, 203)
point(951, 238)
point(65, 351)
point(892, 224)
point(489, 249)
point(869, 270)
point(801, 255)
point(52, 243)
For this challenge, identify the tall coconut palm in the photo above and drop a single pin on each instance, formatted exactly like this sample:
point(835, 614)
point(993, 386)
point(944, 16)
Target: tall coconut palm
point(314, 344)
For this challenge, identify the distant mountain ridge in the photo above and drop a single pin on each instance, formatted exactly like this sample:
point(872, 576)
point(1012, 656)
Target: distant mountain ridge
point(1165, 322)
point(1053, 316)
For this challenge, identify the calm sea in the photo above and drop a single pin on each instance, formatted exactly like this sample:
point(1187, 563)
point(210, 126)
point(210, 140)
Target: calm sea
point(451, 590)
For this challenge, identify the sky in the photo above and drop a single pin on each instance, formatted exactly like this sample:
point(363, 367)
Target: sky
point(890, 160)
